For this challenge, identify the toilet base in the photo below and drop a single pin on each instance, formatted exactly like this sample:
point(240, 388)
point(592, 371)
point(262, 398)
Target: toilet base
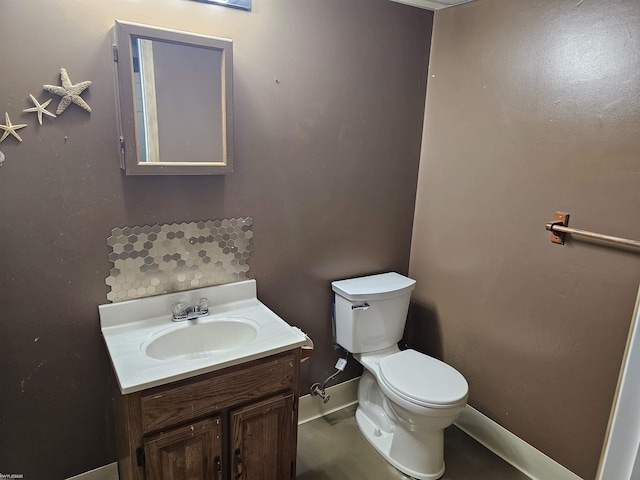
point(382, 441)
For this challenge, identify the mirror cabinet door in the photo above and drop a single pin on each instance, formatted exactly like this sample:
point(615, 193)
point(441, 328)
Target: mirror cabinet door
point(175, 100)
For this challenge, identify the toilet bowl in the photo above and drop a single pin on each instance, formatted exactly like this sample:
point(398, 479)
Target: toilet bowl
point(406, 425)
point(405, 398)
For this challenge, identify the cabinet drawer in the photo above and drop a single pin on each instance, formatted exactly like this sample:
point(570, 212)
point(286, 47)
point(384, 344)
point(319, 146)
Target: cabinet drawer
point(163, 407)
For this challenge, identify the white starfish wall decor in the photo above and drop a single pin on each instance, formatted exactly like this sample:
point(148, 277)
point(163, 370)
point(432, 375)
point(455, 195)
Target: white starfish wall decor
point(9, 128)
point(40, 108)
point(69, 92)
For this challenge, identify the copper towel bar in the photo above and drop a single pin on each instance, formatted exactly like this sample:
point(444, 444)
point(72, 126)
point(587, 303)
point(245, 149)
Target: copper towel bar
point(559, 228)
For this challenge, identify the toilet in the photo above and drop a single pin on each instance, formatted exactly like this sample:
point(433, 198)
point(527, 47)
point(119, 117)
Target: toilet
point(405, 398)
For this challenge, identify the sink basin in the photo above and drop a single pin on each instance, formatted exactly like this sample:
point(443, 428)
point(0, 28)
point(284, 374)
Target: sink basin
point(147, 349)
point(202, 339)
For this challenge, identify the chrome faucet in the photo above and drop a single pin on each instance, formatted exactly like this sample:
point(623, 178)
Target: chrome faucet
point(180, 311)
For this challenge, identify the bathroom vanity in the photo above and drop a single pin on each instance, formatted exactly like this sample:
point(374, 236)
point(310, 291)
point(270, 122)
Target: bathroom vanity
point(213, 398)
point(236, 423)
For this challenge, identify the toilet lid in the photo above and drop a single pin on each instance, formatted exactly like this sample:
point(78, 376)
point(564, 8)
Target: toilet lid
point(422, 379)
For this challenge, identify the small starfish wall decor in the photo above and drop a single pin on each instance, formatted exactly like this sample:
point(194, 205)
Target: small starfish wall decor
point(9, 128)
point(40, 108)
point(69, 92)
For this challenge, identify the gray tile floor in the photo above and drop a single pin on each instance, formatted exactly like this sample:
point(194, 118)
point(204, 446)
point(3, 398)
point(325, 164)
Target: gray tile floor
point(332, 448)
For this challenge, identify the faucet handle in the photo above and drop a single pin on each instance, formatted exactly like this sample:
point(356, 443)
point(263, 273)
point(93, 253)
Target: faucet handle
point(179, 309)
point(203, 305)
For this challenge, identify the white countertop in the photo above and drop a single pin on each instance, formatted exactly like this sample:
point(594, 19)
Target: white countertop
point(129, 326)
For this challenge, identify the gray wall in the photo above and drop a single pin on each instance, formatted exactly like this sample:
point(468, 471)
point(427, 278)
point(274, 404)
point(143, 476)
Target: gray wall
point(326, 164)
point(532, 107)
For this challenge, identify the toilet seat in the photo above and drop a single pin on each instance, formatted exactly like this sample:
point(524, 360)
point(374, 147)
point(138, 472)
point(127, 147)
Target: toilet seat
point(423, 380)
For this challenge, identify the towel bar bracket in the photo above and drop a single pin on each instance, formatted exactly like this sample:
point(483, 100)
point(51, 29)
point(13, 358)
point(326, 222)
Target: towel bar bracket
point(560, 218)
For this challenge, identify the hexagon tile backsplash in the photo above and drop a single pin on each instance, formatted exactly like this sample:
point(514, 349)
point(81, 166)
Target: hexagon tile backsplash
point(156, 259)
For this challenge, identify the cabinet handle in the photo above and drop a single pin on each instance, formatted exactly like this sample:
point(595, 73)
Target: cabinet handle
point(217, 463)
point(238, 464)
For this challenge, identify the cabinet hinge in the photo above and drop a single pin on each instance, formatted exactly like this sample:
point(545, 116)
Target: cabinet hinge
point(122, 146)
point(140, 456)
point(115, 53)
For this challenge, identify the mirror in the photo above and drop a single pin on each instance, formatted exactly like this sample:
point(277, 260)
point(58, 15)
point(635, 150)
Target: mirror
point(175, 100)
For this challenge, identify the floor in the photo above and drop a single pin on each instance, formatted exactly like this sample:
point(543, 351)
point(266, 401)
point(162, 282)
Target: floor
point(332, 448)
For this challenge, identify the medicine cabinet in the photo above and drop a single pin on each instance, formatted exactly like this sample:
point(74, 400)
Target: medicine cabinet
point(175, 101)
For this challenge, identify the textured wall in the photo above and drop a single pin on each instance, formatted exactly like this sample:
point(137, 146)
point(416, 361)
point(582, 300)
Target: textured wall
point(532, 107)
point(329, 101)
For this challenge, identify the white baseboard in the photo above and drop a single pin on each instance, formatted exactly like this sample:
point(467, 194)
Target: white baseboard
point(342, 395)
point(510, 448)
point(108, 472)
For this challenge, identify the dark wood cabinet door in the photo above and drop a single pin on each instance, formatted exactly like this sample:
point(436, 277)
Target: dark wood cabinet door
point(262, 441)
point(190, 452)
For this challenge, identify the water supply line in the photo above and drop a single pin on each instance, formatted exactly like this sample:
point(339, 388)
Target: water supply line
point(320, 389)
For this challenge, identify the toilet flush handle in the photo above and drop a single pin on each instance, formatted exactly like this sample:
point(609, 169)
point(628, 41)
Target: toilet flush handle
point(364, 306)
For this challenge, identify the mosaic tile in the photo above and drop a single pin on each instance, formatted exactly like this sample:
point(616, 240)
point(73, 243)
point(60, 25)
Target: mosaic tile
point(155, 259)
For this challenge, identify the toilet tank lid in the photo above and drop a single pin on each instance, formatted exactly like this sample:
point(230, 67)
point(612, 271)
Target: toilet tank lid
point(374, 287)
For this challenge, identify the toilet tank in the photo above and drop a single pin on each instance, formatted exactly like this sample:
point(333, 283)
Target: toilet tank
point(370, 312)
